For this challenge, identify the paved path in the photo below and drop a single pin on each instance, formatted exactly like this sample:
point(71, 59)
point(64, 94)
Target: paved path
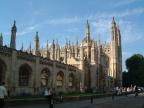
point(118, 102)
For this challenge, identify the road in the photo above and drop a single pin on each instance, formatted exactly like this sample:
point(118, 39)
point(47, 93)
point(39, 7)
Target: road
point(118, 102)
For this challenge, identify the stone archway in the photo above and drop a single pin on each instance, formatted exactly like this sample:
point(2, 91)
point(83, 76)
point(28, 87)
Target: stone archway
point(45, 77)
point(2, 71)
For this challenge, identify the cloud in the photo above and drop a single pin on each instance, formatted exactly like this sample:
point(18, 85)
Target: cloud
point(128, 12)
point(130, 34)
point(120, 14)
point(27, 30)
point(129, 31)
point(65, 20)
point(125, 2)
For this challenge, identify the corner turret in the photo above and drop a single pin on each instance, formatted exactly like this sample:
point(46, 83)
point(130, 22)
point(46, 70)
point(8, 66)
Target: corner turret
point(13, 36)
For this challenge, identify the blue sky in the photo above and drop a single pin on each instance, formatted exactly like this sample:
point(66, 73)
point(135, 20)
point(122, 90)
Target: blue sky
point(58, 19)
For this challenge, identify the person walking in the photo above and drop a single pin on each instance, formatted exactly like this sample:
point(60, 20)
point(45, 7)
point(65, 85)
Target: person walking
point(3, 93)
point(46, 93)
point(136, 91)
point(126, 91)
point(113, 93)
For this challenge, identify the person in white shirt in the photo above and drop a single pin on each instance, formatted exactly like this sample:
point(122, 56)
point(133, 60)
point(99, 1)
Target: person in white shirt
point(3, 93)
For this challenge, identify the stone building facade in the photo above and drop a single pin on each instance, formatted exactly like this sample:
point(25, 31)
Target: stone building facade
point(89, 65)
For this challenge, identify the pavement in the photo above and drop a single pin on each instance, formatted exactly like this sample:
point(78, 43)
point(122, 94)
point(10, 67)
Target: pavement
point(119, 102)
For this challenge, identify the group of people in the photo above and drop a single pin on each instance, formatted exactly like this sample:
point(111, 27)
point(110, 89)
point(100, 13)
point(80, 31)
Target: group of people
point(125, 90)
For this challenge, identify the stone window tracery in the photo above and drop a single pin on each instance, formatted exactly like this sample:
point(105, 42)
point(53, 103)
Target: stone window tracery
point(24, 76)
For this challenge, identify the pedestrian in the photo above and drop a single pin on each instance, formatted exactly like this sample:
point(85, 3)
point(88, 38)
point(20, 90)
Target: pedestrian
point(126, 91)
point(46, 94)
point(51, 101)
point(136, 91)
point(3, 93)
point(61, 98)
point(113, 93)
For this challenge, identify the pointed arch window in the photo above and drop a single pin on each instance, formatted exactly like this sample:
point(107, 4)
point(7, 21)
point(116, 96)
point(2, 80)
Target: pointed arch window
point(24, 76)
point(71, 80)
point(59, 79)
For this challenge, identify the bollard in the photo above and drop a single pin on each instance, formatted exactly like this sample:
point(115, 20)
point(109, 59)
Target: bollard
point(61, 98)
point(91, 99)
point(113, 96)
point(51, 102)
point(51, 106)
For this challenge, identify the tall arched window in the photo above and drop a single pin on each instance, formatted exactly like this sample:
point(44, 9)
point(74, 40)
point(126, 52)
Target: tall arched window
point(71, 80)
point(60, 78)
point(24, 75)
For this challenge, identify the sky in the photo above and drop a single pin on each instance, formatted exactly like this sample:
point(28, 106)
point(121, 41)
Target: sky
point(58, 19)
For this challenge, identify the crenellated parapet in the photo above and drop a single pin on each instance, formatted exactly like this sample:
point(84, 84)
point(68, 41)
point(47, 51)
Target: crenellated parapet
point(72, 68)
point(60, 65)
point(5, 50)
point(26, 56)
point(46, 61)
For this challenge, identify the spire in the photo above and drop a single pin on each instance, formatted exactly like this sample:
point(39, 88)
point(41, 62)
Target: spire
point(47, 45)
point(53, 50)
point(113, 30)
point(76, 40)
point(99, 40)
point(87, 30)
point(14, 26)
point(30, 47)
point(22, 47)
point(53, 43)
point(113, 21)
point(66, 41)
point(47, 51)
point(36, 41)
point(13, 36)
point(57, 44)
point(1, 40)
point(36, 36)
point(69, 45)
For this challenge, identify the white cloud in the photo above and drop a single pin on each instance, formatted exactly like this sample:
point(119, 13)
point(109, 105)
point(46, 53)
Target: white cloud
point(65, 20)
point(27, 30)
point(128, 30)
point(120, 14)
point(130, 36)
point(125, 2)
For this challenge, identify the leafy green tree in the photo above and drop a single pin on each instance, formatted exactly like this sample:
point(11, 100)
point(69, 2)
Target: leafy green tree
point(135, 67)
point(125, 79)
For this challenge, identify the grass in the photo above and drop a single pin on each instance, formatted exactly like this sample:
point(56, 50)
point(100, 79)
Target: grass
point(72, 94)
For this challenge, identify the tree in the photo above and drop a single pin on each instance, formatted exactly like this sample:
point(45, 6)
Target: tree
point(135, 67)
point(125, 78)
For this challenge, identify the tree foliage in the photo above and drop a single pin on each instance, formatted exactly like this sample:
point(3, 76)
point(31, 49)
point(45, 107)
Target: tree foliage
point(135, 74)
